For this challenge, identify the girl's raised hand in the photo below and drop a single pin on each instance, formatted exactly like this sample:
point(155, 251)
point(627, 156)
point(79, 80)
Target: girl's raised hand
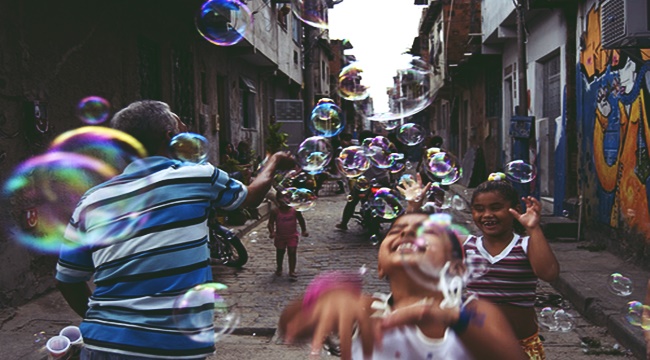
point(531, 218)
point(413, 192)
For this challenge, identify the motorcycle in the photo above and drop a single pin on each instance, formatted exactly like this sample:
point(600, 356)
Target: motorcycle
point(225, 247)
point(367, 216)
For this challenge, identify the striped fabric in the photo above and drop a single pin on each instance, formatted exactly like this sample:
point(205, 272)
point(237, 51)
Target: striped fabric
point(145, 241)
point(510, 278)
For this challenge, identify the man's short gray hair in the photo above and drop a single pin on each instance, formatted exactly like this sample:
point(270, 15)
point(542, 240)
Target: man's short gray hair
point(148, 121)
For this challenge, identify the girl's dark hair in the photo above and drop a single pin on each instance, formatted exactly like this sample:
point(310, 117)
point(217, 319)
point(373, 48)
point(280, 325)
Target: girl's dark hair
point(502, 187)
point(505, 189)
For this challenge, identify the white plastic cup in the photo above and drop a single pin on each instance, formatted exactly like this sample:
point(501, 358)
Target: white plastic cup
point(73, 334)
point(58, 346)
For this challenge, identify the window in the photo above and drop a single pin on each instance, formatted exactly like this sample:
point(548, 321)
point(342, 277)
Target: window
point(247, 103)
point(296, 29)
point(552, 92)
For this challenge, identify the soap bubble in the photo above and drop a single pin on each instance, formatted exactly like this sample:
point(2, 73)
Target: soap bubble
point(93, 110)
point(374, 239)
point(351, 83)
point(638, 314)
point(396, 159)
point(395, 94)
point(477, 266)
point(298, 179)
point(326, 120)
point(521, 172)
point(300, 199)
point(362, 184)
point(44, 191)
point(411, 134)
point(386, 205)
point(112, 147)
point(314, 154)
point(547, 320)
point(223, 22)
point(189, 147)
point(439, 163)
point(378, 150)
point(311, 12)
point(565, 321)
point(454, 175)
point(352, 161)
point(565, 213)
point(458, 203)
point(619, 285)
point(203, 314)
point(391, 124)
point(325, 101)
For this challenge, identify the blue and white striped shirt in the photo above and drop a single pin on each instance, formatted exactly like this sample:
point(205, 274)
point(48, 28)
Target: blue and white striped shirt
point(144, 238)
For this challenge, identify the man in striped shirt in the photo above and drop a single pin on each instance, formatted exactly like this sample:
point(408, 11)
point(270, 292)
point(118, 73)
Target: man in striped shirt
point(144, 235)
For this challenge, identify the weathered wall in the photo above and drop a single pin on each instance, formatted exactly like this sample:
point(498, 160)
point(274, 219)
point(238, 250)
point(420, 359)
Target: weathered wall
point(612, 93)
point(59, 53)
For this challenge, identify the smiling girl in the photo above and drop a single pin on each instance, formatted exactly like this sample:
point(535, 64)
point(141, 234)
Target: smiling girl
point(516, 262)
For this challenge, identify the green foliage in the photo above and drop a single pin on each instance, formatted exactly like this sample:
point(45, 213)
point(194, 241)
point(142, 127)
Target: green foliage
point(231, 166)
point(276, 140)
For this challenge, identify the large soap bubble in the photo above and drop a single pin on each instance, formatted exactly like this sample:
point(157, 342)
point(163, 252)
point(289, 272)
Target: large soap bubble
point(311, 12)
point(223, 22)
point(44, 191)
point(520, 171)
point(189, 147)
point(204, 315)
point(378, 150)
point(352, 161)
point(394, 91)
point(314, 154)
point(385, 204)
point(326, 120)
point(411, 134)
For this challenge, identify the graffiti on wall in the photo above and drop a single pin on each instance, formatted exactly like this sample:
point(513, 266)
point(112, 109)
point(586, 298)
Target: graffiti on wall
point(613, 98)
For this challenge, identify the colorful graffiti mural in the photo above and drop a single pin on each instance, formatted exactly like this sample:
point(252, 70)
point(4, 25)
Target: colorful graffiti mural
point(613, 89)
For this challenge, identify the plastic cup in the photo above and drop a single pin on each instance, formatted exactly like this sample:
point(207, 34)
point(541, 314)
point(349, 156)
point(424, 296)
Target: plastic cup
point(58, 346)
point(73, 334)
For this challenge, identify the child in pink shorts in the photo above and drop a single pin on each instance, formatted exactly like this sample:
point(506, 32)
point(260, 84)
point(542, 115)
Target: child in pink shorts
point(282, 228)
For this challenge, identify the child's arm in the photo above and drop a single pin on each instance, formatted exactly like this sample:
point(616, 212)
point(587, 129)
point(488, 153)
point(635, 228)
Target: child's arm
point(335, 311)
point(482, 328)
point(301, 222)
point(271, 224)
point(541, 256)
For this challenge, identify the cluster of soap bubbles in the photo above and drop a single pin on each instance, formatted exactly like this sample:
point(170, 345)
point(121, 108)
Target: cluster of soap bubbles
point(556, 319)
point(223, 22)
point(619, 285)
point(44, 190)
point(203, 314)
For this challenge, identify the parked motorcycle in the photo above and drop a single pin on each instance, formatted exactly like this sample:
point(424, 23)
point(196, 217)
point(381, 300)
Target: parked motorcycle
point(368, 215)
point(225, 247)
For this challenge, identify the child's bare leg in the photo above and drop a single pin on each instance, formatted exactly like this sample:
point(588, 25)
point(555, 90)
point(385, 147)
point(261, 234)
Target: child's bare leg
point(292, 261)
point(279, 258)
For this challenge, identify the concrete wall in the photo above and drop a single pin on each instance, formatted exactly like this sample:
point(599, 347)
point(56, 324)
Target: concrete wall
point(612, 93)
point(494, 12)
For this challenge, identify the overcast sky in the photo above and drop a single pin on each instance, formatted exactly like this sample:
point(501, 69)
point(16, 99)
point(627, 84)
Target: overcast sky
point(378, 30)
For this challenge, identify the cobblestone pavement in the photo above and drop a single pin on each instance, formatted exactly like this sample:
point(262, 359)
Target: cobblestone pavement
point(258, 295)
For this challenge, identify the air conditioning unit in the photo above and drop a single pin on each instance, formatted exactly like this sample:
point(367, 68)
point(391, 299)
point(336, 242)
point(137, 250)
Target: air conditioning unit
point(625, 24)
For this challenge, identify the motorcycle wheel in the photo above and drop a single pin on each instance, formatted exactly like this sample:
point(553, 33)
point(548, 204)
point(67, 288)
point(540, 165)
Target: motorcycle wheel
point(239, 256)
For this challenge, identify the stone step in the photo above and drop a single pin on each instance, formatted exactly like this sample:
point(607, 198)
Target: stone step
point(559, 228)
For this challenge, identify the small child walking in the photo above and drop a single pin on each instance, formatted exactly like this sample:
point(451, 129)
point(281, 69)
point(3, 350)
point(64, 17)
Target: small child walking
point(283, 229)
point(516, 261)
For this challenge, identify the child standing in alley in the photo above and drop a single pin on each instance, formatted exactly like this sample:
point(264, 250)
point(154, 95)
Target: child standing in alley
point(283, 229)
point(516, 262)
